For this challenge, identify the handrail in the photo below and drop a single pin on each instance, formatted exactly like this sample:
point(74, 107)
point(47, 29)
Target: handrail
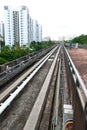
point(79, 81)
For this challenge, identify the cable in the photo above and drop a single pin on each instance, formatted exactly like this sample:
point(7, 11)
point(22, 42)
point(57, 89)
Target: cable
point(69, 125)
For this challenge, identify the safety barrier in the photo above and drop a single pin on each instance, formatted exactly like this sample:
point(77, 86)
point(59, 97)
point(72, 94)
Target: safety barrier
point(78, 94)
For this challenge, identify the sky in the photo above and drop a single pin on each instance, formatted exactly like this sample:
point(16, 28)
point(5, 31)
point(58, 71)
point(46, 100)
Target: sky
point(59, 18)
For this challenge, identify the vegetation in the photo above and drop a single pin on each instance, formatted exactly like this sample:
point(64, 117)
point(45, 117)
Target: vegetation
point(40, 45)
point(82, 39)
point(2, 43)
point(2, 60)
point(8, 54)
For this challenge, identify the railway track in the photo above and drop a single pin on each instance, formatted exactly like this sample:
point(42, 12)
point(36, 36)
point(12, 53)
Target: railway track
point(24, 76)
point(12, 69)
point(16, 107)
point(50, 95)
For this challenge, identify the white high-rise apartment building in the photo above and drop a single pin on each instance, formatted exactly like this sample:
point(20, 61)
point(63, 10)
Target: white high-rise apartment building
point(23, 25)
point(8, 25)
point(40, 33)
point(37, 31)
point(16, 26)
point(20, 28)
point(30, 29)
point(2, 29)
point(34, 30)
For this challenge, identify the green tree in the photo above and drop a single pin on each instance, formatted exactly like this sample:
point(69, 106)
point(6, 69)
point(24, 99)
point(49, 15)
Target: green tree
point(82, 39)
point(8, 54)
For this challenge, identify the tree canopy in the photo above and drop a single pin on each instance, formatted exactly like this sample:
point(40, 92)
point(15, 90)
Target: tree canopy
point(82, 39)
point(8, 54)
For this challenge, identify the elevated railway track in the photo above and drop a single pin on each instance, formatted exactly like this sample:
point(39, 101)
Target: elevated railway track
point(49, 95)
point(9, 94)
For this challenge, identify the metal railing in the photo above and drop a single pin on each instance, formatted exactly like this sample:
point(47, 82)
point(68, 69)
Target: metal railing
point(78, 94)
point(15, 67)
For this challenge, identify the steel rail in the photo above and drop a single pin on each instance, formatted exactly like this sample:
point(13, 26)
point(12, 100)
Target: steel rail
point(12, 70)
point(35, 114)
point(12, 96)
point(6, 93)
point(56, 100)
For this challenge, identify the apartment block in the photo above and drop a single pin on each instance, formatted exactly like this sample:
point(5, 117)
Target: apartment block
point(40, 33)
point(8, 26)
point(2, 29)
point(16, 27)
point(37, 31)
point(20, 28)
point(23, 25)
point(30, 29)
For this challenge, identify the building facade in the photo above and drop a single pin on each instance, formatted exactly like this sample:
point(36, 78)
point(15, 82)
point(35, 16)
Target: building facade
point(20, 28)
point(37, 31)
point(16, 27)
point(8, 26)
point(40, 33)
point(2, 29)
point(23, 25)
point(30, 29)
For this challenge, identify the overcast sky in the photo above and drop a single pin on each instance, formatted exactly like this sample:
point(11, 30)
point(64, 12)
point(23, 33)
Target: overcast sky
point(58, 17)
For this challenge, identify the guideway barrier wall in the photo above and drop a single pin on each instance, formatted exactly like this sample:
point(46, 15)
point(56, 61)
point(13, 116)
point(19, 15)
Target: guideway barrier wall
point(76, 88)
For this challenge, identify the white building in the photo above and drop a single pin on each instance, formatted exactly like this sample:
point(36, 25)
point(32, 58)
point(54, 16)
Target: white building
point(8, 26)
point(23, 25)
point(16, 26)
point(30, 29)
point(46, 39)
point(20, 28)
point(40, 33)
point(34, 30)
point(2, 29)
point(37, 31)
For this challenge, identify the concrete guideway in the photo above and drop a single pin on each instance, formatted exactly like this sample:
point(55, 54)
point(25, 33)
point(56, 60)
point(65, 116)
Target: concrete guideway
point(12, 96)
point(67, 96)
point(32, 121)
point(11, 88)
